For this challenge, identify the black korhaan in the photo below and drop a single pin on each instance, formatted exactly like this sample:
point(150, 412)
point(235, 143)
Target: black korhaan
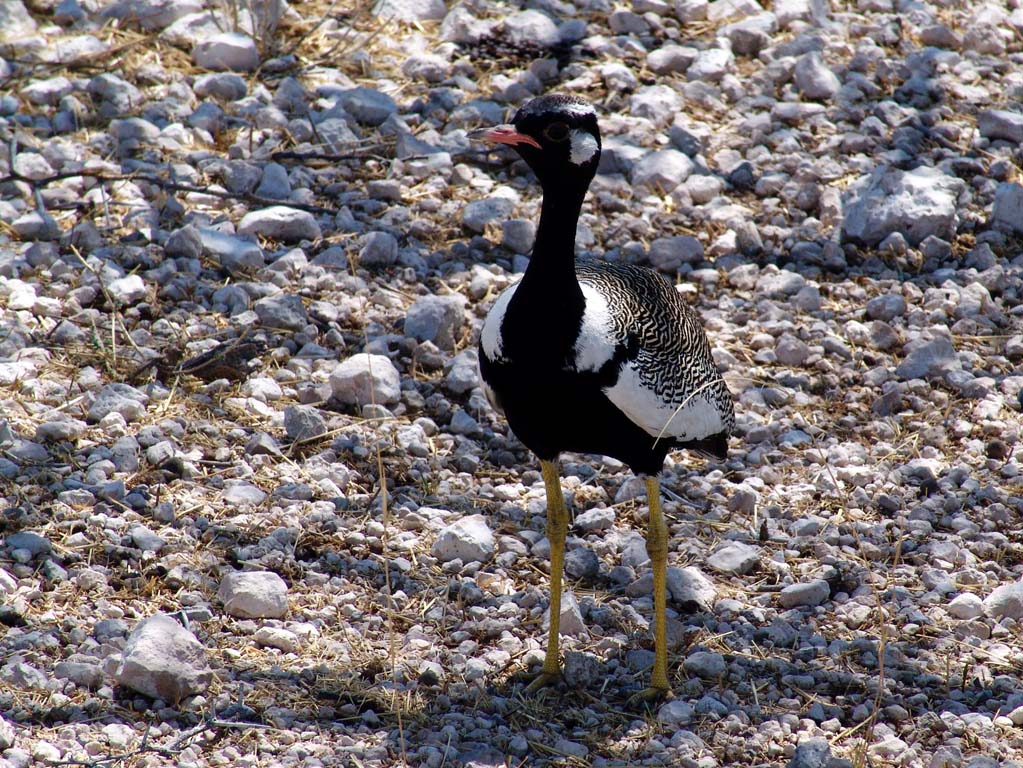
point(595, 357)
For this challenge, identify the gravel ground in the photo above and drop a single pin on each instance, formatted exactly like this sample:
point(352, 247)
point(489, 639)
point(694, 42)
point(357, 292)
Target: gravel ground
point(244, 260)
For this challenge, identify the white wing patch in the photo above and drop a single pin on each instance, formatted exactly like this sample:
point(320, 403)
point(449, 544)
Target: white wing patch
point(490, 336)
point(696, 419)
point(595, 344)
point(583, 147)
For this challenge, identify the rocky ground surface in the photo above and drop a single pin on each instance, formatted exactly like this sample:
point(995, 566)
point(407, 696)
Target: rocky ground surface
point(243, 264)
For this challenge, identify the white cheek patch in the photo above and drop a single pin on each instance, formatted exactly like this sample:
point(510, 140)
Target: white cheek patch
point(583, 147)
point(578, 109)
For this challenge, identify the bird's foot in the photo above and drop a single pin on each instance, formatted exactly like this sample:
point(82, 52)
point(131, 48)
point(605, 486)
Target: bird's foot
point(649, 696)
point(540, 681)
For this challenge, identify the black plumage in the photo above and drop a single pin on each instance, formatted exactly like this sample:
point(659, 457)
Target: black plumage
point(595, 357)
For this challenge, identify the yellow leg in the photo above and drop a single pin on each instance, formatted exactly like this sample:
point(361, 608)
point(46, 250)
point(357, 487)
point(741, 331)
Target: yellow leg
point(557, 527)
point(657, 548)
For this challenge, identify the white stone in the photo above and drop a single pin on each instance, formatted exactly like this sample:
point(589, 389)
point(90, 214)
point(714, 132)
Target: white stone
point(966, 606)
point(163, 660)
point(227, 51)
point(1005, 602)
point(811, 593)
point(280, 223)
point(466, 539)
point(277, 637)
point(664, 169)
point(366, 378)
point(254, 595)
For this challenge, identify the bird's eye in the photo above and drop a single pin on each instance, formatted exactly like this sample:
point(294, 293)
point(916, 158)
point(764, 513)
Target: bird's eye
point(556, 132)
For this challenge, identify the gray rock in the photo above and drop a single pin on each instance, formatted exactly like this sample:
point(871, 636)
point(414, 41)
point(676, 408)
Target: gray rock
point(379, 249)
point(1007, 212)
point(280, 222)
point(410, 10)
point(478, 213)
point(48, 92)
point(751, 35)
point(185, 243)
point(966, 606)
point(32, 165)
point(675, 713)
point(146, 539)
point(460, 373)
point(668, 254)
point(658, 103)
point(814, 79)
point(302, 422)
point(886, 307)
point(690, 10)
point(779, 284)
point(670, 58)
point(277, 637)
point(571, 623)
point(705, 664)
point(711, 65)
point(719, 10)
point(239, 492)
point(790, 350)
point(227, 51)
point(582, 563)
point(623, 22)
point(691, 589)
point(163, 660)
point(59, 430)
point(1005, 602)
point(127, 290)
point(82, 674)
point(226, 86)
point(531, 27)
point(467, 539)
point(1001, 124)
point(918, 203)
point(461, 26)
point(151, 14)
point(595, 520)
point(254, 595)
point(431, 673)
point(134, 129)
point(365, 378)
point(119, 398)
point(367, 105)
point(235, 254)
point(283, 312)
point(116, 95)
point(275, 183)
point(928, 358)
point(811, 593)
point(36, 225)
point(582, 670)
point(33, 543)
point(812, 753)
point(664, 169)
point(439, 319)
point(518, 235)
point(734, 557)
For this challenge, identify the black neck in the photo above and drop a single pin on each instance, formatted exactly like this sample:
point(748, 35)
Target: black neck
point(554, 251)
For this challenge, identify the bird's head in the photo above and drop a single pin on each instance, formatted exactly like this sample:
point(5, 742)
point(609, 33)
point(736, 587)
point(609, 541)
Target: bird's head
point(558, 137)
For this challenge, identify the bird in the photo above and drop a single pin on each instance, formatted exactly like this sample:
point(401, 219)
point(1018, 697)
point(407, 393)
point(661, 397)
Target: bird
point(594, 357)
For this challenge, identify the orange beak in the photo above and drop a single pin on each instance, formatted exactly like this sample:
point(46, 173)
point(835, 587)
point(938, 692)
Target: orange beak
point(504, 134)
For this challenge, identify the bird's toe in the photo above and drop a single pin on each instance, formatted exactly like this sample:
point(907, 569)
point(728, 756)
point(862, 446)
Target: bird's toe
point(541, 681)
point(648, 696)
